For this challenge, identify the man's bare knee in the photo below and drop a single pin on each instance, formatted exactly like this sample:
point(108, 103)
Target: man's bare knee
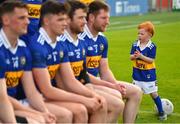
point(137, 93)
point(81, 114)
point(65, 117)
point(104, 104)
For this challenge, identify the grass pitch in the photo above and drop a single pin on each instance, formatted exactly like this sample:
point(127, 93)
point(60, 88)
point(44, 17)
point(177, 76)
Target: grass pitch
point(121, 34)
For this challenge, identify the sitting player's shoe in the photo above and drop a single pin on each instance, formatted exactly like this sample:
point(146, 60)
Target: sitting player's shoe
point(162, 116)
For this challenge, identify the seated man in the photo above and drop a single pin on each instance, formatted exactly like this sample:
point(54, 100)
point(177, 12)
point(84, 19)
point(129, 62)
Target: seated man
point(16, 62)
point(77, 52)
point(49, 57)
point(97, 62)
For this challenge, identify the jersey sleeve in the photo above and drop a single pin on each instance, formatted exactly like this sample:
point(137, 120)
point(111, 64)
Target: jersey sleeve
point(38, 56)
point(65, 54)
point(152, 53)
point(105, 51)
point(2, 65)
point(133, 49)
point(28, 66)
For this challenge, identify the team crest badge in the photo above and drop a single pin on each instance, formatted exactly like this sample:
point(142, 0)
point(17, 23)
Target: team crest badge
point(61, 54)
point(101, 47)
point(23, 60)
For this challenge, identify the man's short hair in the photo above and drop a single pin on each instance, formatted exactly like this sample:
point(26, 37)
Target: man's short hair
point(8, 6)
point(52, 7)
point(74, 5)
point(96, 6)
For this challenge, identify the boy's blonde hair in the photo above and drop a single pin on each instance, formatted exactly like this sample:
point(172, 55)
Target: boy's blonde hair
point(148, 26)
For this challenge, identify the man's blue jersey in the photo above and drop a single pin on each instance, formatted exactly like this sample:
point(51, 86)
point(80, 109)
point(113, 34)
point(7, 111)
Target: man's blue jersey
point(14, 61)
point(34, 15)
point(76, 53)
point(47, 54)
point(97, 48)
point(143, 71)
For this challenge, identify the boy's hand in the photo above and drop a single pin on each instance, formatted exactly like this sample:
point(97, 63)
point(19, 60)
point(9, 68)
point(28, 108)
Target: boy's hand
point(137, 54)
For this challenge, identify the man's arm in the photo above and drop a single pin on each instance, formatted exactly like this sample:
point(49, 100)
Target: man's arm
point(7, 113)
point(70, 82)
point(42, 77)
point(107, 75)
point(33, 96)
point(105, 71)
point(18, 106)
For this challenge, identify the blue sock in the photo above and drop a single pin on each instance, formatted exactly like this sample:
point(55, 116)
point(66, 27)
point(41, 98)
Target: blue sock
point(158, 103)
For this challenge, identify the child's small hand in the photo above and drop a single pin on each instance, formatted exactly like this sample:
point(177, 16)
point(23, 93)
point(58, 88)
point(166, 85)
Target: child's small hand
point(137, 54)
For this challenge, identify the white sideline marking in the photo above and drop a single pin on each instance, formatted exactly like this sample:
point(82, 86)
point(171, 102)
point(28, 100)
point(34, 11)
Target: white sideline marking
point(131, 22)
point(151, 112)
point(132, 25)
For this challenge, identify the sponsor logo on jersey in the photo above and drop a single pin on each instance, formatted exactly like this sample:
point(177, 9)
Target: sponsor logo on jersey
point(34, 10)
point(143, 65)
point(53, 70)
point(12, 78)
point(77, 67)
point(93, 61)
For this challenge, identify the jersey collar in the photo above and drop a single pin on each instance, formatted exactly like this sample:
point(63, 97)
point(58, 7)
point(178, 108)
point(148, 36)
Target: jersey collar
point(43, 32)
point(70, 39)
point(89, 34)
point(147, 45)
point(6, 43)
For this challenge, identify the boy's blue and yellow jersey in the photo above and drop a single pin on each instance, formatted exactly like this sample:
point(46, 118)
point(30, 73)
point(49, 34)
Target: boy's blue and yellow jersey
point(97, 48)
point(76, 53)
point(14, 61)
point(143, 71)
point(46, 54)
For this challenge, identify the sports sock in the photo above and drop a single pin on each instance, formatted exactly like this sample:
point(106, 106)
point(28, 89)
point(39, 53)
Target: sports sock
point(158, 103)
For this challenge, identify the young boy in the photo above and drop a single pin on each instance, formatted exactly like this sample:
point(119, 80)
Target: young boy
point(143, 54)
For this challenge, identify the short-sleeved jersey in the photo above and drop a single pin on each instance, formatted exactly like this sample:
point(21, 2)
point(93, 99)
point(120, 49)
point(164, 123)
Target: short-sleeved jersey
point(14, 61)
point(143, 71)
point(97, 48)
point(76, 53)
point(47, 54)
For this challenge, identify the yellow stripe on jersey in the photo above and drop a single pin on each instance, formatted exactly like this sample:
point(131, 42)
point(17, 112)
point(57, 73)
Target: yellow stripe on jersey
point(53, 70)
point(12, 78)
point(77, 67)
point(93, 61)
point(34, 10)
point(143, 65)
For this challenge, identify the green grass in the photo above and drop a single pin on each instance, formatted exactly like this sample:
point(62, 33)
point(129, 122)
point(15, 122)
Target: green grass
point(122, 32)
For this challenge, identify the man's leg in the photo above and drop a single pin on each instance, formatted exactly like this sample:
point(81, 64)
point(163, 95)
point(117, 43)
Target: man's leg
point(133, 99)
point(114, 102)
point(31, 117)
point(79, 111)
point(62, 114)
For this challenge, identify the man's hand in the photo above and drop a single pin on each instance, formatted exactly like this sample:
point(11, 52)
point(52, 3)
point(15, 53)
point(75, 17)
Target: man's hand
point(49, 118)
point(121, 88)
